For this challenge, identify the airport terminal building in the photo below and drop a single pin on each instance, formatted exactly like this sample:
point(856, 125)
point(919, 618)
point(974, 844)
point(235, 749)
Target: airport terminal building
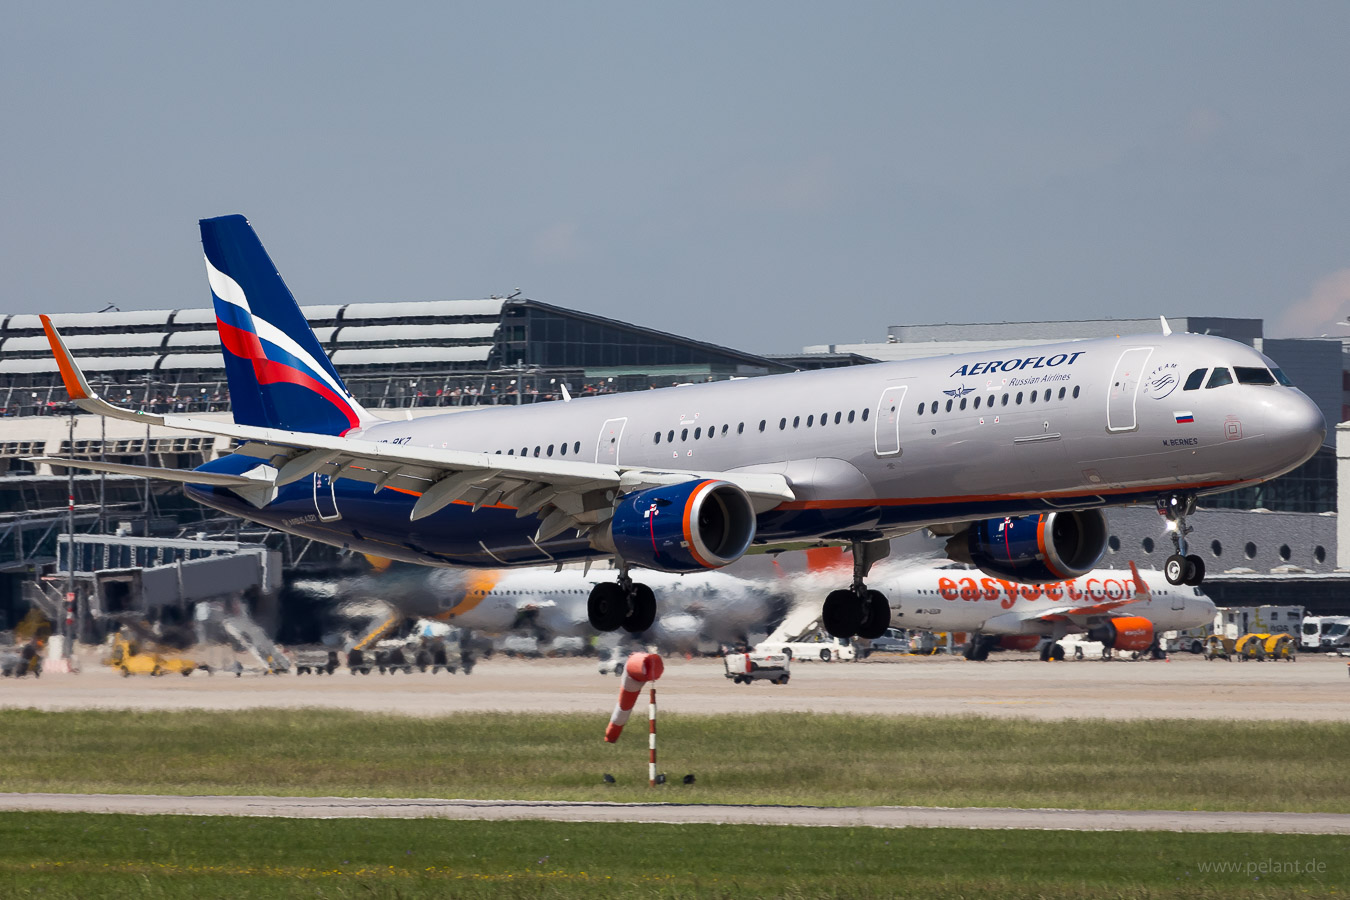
point(1273, 543)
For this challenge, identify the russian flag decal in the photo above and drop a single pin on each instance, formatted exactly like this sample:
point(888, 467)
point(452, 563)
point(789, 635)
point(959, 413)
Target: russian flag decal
point(1184, 417)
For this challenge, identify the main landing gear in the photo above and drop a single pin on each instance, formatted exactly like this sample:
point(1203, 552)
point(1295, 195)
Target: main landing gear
point(978, 647)
point(858, 611)
point(626, 605)
point(1181, 567)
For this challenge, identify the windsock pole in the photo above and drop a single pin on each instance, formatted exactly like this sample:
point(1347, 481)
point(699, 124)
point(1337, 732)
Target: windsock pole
point(651, 737)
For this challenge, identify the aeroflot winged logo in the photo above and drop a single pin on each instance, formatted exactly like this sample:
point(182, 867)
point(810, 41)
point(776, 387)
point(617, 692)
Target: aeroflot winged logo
point(988, 367)
point(960, 392)
point(276, 358)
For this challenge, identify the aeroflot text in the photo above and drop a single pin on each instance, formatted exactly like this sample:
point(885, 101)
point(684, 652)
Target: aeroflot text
point(1007, 593)
point(1014, 365)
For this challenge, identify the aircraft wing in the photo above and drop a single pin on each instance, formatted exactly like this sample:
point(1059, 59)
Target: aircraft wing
point(577, 494)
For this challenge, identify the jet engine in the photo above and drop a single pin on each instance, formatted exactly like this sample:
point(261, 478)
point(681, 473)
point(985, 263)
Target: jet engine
point(1124, 633)
point(684, 527)
point(1038, 549)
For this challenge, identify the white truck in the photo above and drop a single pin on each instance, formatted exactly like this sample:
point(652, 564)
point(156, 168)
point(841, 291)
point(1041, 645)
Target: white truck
point(743, 668)
point(1325, 633)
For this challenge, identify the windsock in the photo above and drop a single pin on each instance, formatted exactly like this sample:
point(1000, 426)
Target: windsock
point(640, 669)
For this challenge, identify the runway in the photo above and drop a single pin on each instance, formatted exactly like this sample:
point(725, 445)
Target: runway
point(1010, 685)
point(677, 813)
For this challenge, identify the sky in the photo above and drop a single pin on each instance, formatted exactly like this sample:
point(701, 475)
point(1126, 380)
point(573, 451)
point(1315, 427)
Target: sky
point(763, 175)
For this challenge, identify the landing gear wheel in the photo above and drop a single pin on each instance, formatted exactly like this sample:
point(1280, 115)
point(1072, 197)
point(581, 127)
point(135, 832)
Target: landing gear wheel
point(1176, 569)
point(878, 617)
point(842, 614)
point(982, 650)
point(644, 610)
point(607, 606)
point(1057, 652)
point(1195, 570)
point(1046, 651)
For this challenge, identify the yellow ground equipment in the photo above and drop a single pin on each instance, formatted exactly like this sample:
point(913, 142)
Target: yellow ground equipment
point(129, 657)
point(1252, 646)
point(1219, 647)
point(1280, 646)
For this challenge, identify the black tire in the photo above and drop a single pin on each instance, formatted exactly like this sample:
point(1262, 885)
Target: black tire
point(1197, 647)
point(1057, 652)
point(787, 651)
point(878, 617)
point(644, 610)
point(842, 614)
point(1176, 569)
point(825, 655)
point(606, 607)
point(1195, 570)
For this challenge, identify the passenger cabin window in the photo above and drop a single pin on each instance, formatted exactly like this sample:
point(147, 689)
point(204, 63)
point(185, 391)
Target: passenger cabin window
point(865, 415)
point(1253, 375)
point(949, 406)
point(1219, 379)
point(1195, 379)
point(1075, 392)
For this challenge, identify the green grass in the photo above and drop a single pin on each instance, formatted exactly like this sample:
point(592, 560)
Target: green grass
point(763, 758)
point(81, 855)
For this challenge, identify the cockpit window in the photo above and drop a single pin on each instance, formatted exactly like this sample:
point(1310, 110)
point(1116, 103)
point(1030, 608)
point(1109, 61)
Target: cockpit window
point(1253, 375)
point(1281, 377)
point(1219, 379)
point(1195, 379)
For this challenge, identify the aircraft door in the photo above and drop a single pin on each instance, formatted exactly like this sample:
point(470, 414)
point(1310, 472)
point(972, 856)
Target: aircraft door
point(1125, 381)
point(888, 420)
point(607, 444)
point(325, 498)
point(1179, 599)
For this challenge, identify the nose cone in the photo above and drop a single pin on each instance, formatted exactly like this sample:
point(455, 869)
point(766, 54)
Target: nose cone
point(1297, 430)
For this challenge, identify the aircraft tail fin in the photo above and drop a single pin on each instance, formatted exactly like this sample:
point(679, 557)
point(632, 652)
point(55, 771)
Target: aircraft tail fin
point(279, 376)
point(1140, 586)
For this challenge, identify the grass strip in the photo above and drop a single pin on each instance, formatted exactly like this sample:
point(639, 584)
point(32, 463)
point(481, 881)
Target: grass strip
point(825, 760)
point(58, 855)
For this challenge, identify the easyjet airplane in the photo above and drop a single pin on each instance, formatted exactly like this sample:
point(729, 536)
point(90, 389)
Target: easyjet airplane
point(1115, 607)
point(1015, 453)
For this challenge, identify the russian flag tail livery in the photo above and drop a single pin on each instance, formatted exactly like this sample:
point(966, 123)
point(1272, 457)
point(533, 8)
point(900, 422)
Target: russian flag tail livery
point(279, 376)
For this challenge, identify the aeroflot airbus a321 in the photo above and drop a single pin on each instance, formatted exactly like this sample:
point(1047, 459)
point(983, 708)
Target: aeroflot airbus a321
point(1012, 452)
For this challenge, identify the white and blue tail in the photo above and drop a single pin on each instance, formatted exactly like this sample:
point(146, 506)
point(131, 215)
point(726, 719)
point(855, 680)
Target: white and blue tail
point(279, 376)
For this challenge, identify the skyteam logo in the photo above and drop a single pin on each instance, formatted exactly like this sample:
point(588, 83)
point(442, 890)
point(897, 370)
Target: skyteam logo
point(1162, 381)
point(276, 358)
point(960, 392)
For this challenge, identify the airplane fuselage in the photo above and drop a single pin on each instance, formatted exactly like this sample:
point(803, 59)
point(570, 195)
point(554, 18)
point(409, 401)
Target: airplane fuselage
point(967, 601)
point(869, 451)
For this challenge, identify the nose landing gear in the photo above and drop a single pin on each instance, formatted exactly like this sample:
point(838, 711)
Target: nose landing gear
point(1181, 567)
point(627, 604)
point(858, 611)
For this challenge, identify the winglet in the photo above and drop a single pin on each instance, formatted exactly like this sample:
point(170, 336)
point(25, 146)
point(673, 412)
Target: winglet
point(76, 385)
point(1167, 329)
point(1140, 586)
